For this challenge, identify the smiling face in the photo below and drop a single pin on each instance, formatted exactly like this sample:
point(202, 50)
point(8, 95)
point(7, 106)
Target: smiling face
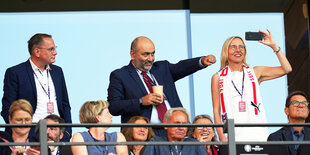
point(20, 117)
point(297, 112)
point(236, 51)
point(143, 55)
point(203, 134)
point(177, 133)
point(140, 133)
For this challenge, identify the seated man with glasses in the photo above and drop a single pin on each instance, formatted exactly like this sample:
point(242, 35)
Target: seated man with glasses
point(175, 134)
point(297, 110)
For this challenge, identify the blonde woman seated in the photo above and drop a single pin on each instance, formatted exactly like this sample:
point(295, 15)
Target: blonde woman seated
point(20, 112)
point(204, 134)
point(97, 112)
point(137, 133)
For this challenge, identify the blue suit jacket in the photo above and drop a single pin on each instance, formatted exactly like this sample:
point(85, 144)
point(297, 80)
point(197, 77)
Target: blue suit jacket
point(126, 87)
point(19, 83)
point(285, 134)
point(170, 149)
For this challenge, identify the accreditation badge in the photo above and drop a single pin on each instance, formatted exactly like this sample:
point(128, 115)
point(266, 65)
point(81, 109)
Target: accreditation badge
point(50, 107)
point(242, 106)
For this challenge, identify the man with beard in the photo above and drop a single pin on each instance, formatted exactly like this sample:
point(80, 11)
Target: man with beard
point(54, 134)
point(130, 89)
point(175, 134)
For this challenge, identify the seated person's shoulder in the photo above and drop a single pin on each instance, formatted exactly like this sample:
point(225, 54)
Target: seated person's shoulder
point(5, 135)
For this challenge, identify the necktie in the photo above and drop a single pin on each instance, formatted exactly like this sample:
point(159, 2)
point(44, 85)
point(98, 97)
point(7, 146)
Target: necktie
point(161, 108)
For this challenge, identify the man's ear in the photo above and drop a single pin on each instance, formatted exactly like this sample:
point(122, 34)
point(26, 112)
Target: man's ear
point(286, 111)
point(61, 136)
point(165, 122)
point(132, 55)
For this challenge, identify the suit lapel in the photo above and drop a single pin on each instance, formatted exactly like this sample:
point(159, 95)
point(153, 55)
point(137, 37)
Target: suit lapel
point(31, 77)
point(133, 73)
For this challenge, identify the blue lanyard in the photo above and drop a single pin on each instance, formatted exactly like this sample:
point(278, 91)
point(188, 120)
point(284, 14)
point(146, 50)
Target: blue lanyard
point(48, 86)
point(241, 94)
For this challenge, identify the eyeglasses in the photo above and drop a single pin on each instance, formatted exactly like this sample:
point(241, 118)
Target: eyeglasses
point(296, 103)
point(234, 47)
point(201, 128)
point(52, 49)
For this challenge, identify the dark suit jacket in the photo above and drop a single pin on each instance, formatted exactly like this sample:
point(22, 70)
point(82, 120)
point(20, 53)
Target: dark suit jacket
point(19, 83)
point(126, 87)
point(285, 134)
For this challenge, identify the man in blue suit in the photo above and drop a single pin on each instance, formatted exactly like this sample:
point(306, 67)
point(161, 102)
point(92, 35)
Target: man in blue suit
point(40, 82)
point(130, 93)
point(297, 110)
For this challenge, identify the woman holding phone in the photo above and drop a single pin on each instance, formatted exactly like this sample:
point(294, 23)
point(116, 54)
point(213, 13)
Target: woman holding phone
point(235, 88)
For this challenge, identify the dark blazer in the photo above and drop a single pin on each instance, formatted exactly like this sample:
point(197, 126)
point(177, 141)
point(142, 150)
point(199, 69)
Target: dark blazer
point(285, 134)
point(5, 150)
point(19, 83)
point(126, 87)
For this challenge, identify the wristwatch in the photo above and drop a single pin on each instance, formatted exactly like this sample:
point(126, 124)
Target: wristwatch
point(140, 101)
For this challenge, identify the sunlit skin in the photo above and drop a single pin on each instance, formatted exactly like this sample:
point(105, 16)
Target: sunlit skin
point(140, 133)
point(177, 133)
point(206, 133)
point(299, 113)
point(144, 55)
point(105, 117)
point(20, 117)
point(235, 56)
point(44, 54)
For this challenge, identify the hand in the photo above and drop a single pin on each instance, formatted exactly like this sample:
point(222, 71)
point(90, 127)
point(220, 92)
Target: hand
point(268, 40)
point(208, 60)
point(18, 151)
point(31, 151)
point(151, 99)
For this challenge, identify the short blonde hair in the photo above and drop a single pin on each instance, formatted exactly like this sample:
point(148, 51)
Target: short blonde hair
point(91, 109)
point(20, 104)
point(224, 54)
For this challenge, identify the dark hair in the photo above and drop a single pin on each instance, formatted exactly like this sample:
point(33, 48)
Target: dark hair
point(127, 131)
point(36, 40)
point(288, 99)
point(56, 119)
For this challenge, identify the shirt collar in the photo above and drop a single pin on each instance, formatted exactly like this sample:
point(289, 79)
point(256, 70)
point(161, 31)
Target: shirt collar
point(35, 68)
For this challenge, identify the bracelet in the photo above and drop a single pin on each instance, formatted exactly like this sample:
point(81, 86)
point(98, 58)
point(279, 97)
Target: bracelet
point(278, 50)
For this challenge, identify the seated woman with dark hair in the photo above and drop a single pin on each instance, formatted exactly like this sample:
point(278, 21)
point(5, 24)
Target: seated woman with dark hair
point(137, 133)
point(97, 112)
point(204, 134)
point(20, 112)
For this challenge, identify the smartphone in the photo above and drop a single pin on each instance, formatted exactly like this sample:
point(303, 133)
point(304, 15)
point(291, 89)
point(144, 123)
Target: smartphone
point(254, 36)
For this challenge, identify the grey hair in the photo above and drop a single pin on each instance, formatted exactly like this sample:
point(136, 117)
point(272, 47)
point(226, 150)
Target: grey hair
point(192, 129)
point(172, 110)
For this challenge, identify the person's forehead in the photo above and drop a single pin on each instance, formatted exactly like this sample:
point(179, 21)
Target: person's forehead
point(236, 40)
point(298, 98)
point(178, 116)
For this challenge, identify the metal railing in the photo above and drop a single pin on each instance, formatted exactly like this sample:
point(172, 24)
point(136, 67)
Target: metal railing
point(229, 128)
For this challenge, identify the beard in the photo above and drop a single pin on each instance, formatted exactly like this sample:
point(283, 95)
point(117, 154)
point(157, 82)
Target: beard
point(146, 67)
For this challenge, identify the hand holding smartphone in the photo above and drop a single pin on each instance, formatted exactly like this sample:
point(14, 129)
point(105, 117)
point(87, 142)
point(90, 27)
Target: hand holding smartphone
point(253, 36)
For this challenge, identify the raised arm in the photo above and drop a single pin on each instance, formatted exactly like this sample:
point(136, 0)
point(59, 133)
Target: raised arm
point(264, 73)
point(216, 105)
